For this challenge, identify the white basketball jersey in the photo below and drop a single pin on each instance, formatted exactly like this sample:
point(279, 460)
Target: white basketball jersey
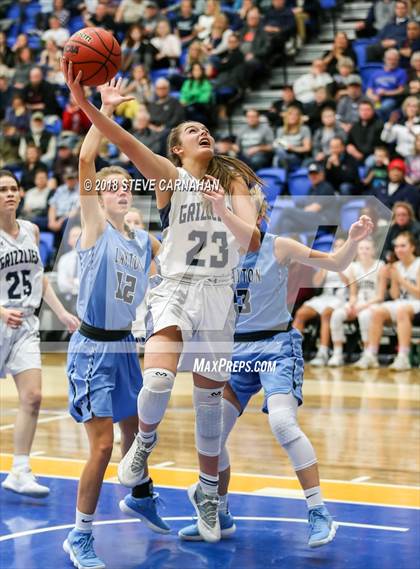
point(410, 273)
point(21, 269)
point(334, 286)
point(195, 241)
point(366, 280)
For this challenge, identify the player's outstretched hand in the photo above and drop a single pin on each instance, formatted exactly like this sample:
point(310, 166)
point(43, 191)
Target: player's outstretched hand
point(11, 317)
point(215, 194)
point(70, 322)
point(361, 228)
point(73, 82)
point(111, 93)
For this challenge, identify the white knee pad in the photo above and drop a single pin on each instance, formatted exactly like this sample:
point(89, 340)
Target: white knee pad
point(230, 415)
point(337, 324)
point(208, 420)
point(286, 429)
point(154, 396)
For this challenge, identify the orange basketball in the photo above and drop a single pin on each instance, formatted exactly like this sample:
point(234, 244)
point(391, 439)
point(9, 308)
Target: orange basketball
point(96, 53)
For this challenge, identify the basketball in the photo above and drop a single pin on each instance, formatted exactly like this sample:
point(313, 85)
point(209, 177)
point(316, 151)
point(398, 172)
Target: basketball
point(96, 53)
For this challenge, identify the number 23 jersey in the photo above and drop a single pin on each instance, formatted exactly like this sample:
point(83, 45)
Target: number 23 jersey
point(113, 279)
point(196, 242)
point(21, 269)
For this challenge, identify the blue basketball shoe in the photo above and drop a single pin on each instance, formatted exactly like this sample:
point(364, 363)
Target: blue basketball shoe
point(227, 528)
point(79, 546)
point(322, 528)
point(146, 510)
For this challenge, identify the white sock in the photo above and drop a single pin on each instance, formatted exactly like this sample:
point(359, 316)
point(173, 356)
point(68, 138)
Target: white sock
point(313, 497)
point(338, 350)
point(147, 438)
point(323, 350)
point(373, 350)
point(403, 351)
point(209, 483)
point(223, 504)
point(84, 521)
point(21, 461)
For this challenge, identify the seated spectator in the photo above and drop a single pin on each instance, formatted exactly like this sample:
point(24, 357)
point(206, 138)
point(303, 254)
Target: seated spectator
point(205, 20)
point(137, 49)
point(151, 136)
point(341, 48)
point(414, 73)
point(230, 79)
point(6, 54)
point(397, 189)
point(411, 44)
point(313, 109)
point(68, 271)
point(293, 140)
point(167, 45)
point(39, 95)
point(130, 11)
point(134, 219)
point(9, 147)
point(334, 295)
point(304, 87)
point(413, 165)
point(278, 108)
point(64, 159)
point(50, 60)
point(387, 84)
point(329, 130)
point(403, 135)
point(151, 18)
point(40, 137)
point(61, 13)
point(100, 18)
point(197, 96)
point(393, 34)
point(35, 204)
point(74, 120)
point(367, 289)
point(280, 25)
point(23, 66)
point(365, 134)
point(226, 145)
point(31, 164)
point(165, 110)
point(255, 47)
point(140, 87)
point(342, 169)
point(217, 42)
point(185, 22)
point(20, 42)
point(5, 95)
point(18, 115)
point(377, 174)
point(243, 7)
point(403, 220)
point(310, 212)
point(380, 13)
point(63, 205)
point(404, 278)
point(348, 106)
point(196, 54)
point(55, 32)
point(255, 142)
point(345, 75)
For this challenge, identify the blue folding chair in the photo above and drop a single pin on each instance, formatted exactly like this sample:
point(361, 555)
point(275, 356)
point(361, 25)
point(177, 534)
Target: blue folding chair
point(299, 183)
point(275, 181)
point(46, 246)
point(350, 213)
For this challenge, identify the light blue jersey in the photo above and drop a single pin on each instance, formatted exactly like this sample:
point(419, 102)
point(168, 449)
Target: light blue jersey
point(113, 279)
point(261, 290)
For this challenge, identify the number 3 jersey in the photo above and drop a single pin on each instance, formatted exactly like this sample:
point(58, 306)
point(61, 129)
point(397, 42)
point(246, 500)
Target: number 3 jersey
point(113, 279)
point(196, 242)
point(21, 269)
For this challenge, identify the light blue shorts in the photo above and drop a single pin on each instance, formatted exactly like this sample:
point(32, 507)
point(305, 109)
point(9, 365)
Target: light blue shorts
point(285, 351)
point(104, 378)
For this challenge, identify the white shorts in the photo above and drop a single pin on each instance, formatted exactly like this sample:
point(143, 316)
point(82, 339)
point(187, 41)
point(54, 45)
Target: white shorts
point(19, 347)
point(393, 305)
point(204, 312)
point(324, 301)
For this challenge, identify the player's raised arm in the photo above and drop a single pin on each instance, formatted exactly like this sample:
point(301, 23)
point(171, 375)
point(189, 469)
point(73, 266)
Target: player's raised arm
point(288, 249)
point(151, 165)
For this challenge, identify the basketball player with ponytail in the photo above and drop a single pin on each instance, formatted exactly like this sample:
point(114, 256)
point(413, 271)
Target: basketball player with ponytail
point(207, 217)
point(102, 367)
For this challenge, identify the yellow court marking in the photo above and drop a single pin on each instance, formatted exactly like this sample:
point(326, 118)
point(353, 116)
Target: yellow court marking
point(342, 491)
